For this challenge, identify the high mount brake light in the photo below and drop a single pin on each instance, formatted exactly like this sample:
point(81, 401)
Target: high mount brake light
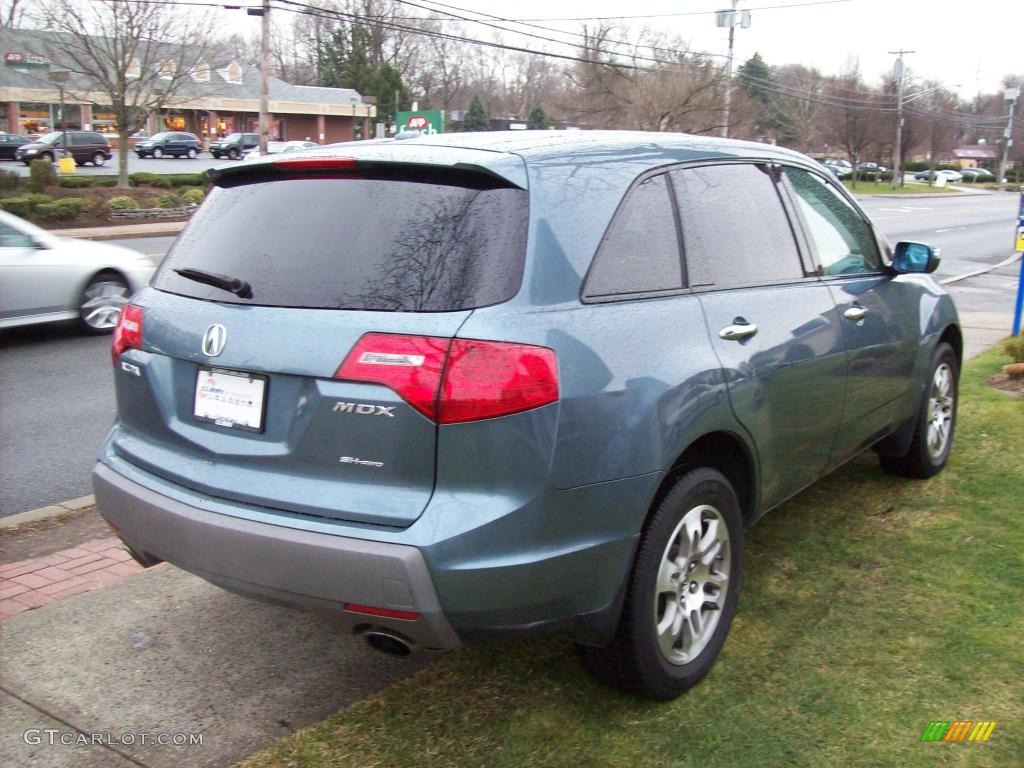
point(456, 380)
point(315, 163)
point(128, 333)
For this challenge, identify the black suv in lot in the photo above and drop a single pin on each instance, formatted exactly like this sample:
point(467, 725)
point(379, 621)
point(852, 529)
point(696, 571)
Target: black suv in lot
point(234, 145)
point(84, 146)
point(173, 143)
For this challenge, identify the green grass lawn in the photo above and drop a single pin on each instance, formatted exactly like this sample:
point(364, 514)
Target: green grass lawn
point(871, 606)
point(884, 188)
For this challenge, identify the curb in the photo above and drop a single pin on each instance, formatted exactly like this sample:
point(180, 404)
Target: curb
point(982, 271)
point(48, 512)
point(122, 232)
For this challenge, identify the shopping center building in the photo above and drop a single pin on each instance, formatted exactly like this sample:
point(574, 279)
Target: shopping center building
point(221, 96)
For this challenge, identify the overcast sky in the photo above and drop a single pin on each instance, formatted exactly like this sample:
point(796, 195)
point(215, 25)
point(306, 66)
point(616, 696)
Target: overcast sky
point(971, 44)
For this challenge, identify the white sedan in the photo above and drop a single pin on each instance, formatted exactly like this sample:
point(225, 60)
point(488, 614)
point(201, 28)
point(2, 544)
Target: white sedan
point(277, 147)
point(44, 278)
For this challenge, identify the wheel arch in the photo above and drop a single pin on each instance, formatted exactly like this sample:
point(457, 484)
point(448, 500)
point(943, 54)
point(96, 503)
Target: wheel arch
point(726, 452)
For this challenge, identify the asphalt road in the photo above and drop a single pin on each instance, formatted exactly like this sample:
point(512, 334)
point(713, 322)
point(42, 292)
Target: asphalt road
point(56, 390)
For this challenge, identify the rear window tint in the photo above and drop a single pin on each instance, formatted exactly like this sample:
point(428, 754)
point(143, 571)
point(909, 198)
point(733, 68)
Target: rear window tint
point(356, 243)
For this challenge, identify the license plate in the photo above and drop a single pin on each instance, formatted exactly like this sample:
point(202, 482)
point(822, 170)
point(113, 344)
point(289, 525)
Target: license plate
point(231, 399)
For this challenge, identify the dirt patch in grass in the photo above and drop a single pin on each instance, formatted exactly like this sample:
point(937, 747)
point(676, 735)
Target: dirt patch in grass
point(1008, 385)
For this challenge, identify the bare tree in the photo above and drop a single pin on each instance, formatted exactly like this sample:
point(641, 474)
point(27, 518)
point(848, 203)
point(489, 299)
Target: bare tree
point(853, 120)
point(11, 12)
point(137, 55)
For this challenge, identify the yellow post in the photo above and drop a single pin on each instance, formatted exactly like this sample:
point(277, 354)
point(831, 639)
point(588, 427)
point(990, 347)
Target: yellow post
point(66, 164)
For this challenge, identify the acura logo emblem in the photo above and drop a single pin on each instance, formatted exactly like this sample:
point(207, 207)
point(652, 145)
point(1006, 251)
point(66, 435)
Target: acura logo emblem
point(214, 339)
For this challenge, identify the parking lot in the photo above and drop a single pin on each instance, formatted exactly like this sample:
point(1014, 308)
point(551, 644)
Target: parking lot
point(135, 164)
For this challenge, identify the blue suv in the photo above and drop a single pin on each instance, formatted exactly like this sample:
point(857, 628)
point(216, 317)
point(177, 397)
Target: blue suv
point(479, 385)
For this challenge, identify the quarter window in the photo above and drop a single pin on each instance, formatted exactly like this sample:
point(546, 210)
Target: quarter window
point(842, 240)
point(640, 250)
point(735, 231)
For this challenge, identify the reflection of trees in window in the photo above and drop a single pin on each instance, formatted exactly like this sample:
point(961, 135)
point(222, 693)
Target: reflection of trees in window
point(435, 260)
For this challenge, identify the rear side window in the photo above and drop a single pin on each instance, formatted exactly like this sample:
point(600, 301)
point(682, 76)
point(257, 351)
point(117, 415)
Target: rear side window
point(356, 243)
point(640, 251)
point(735, 231)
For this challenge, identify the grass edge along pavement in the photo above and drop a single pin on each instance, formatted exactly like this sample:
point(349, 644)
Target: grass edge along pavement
point(871, 606)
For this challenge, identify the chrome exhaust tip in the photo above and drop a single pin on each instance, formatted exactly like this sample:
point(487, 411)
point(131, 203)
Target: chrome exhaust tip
point(388, 642)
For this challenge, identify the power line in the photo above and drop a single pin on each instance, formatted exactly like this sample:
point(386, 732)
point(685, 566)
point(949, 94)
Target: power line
point(681, 14)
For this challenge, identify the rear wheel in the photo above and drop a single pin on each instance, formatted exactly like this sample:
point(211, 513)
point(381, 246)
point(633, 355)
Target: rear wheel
point(157, 153)
point(99, 159)
point(936, 421)
point(102, 301)
point(192, 153)
point(682, 592)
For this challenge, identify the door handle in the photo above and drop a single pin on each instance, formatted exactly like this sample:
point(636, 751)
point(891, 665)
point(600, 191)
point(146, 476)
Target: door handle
point(738, 331)
point(855, 313)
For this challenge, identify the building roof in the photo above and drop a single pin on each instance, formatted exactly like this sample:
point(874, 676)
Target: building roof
point(38, 43)
point(975, 152)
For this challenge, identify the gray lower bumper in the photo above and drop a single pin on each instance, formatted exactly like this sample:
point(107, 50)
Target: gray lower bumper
point(315, 571)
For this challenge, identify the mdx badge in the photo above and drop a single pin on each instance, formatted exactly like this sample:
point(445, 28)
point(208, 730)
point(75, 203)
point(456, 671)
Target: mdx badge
point(214, 339)
point(364, 409)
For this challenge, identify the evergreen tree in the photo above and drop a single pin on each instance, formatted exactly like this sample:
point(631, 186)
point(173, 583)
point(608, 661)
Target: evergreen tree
point(476, 117)
point(756, 78)
point(346, 61)
point(538, 119)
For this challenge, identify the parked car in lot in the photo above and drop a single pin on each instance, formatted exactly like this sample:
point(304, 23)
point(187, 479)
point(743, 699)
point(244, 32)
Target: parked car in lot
point(44, 278)
point(870, 170)
point(170, 143)
point(84, 146)
point(841, 168)
point(277, 147)
point(9, 143)
point(234, 145)
point(949, 176)
point(977, 175)
point(498, 409)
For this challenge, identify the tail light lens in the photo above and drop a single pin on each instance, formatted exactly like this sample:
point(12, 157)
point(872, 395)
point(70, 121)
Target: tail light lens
point(128, 333)
point(456, 380)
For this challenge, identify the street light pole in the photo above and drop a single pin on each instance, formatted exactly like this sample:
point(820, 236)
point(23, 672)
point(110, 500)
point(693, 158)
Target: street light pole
point(60, 76)
point(264, 12)
point(730, 18)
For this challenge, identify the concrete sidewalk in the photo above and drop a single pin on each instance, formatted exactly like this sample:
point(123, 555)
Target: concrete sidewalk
point(123, 231)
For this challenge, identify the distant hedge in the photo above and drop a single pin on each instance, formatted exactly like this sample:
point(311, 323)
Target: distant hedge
point(146, 179)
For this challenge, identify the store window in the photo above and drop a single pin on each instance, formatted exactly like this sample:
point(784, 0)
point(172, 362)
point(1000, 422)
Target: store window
point(104, 119)
point(34, 119)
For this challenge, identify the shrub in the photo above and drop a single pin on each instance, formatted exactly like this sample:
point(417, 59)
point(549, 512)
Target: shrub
point(74, 182)
point(9, 181)
point(122, 203)
point(166, 181)
point(58, 210)
point(37, 198)
point(187, 180)
point(140, 179)
point(168, 201)
point(18, 206)
point(41, 175)
point(1014, 347)
point(193, 195)
point(105, 182)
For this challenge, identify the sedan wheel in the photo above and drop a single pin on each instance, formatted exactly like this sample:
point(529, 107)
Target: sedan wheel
point(102, 301)
point(681, 594)
point(158, 153)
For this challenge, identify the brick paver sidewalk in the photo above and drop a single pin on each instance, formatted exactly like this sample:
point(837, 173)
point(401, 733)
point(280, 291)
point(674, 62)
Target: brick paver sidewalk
point(33, 583)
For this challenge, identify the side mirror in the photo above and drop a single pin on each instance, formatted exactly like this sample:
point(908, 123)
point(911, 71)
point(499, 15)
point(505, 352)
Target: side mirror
point(911, 258)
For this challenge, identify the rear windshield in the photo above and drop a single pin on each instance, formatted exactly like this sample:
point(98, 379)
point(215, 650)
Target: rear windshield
point(356, 243)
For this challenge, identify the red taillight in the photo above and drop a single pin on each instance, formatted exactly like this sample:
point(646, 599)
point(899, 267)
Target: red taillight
point(128, 333)
point(451, 381)
point(315, 163)
point(370, 610)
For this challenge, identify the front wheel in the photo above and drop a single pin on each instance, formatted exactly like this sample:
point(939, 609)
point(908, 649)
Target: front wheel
point(102, 301)
point(48, 157)
point(936, 421)
point(232, 154)
point(157, 153)
point(681, 594)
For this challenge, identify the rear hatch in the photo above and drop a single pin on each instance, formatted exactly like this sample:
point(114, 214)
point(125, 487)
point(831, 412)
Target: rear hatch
point(237, 389)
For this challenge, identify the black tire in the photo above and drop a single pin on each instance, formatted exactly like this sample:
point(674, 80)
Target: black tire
point(216, 155)
point(924, 459)
point(157, 153)
point(99, 159)
point(101, 302)
point(47, 156)
point(635, 660)
point(232, 154)
point(192, 153)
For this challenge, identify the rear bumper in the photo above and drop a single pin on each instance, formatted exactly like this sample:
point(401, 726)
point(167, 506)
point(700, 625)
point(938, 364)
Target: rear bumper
point(305, 569)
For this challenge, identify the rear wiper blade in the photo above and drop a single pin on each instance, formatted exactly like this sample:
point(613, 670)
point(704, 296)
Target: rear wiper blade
point(239, 287)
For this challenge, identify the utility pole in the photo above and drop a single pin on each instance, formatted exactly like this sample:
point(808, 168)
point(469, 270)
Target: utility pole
point(897, 71)
point(730, 18)
point(263, 12)
point(1011, 95)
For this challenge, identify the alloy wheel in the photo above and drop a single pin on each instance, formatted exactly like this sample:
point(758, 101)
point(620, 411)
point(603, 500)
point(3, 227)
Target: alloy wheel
point(940, 410)
point(102, 302)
